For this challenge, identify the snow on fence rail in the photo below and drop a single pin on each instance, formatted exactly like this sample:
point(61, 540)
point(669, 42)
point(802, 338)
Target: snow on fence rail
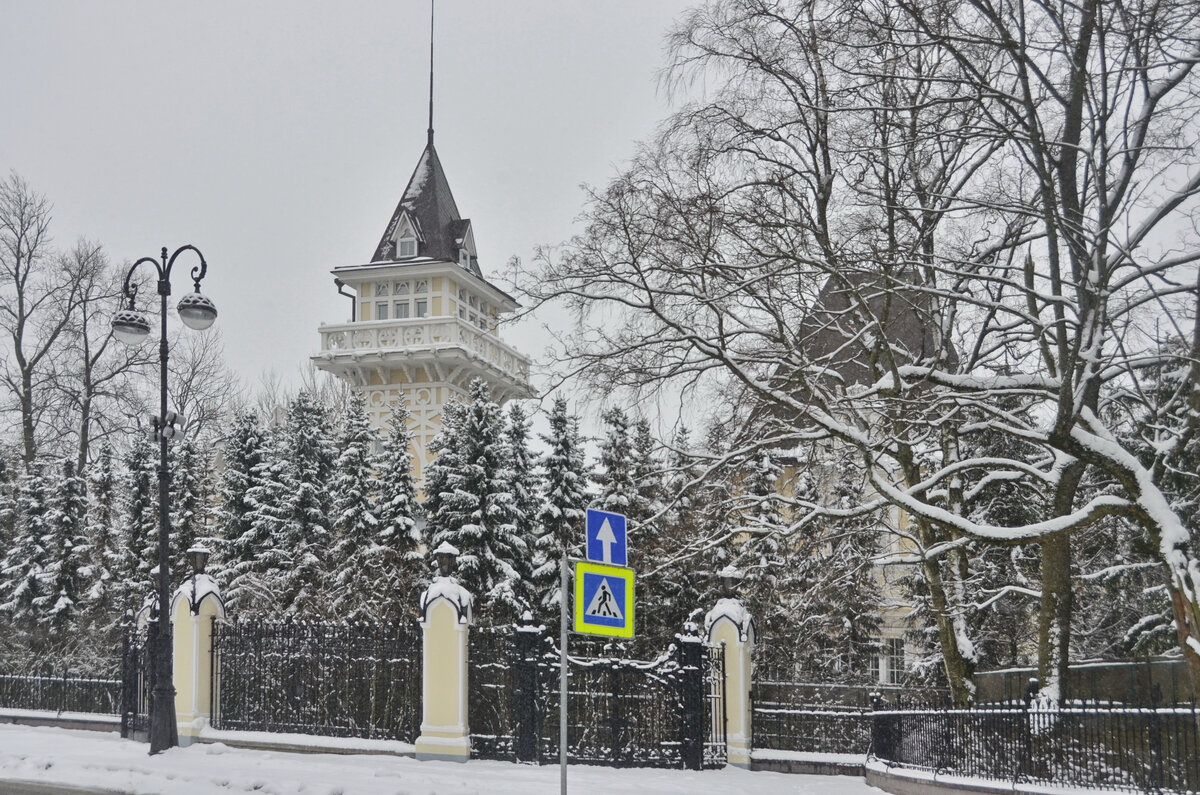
point(824, 718)
point(1146, 749)
point(664, 712)
point(61, 693)
point(339, 679)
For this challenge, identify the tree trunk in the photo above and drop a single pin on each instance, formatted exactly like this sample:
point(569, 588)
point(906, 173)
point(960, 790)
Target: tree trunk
point(1054, 617)
point(959, 663)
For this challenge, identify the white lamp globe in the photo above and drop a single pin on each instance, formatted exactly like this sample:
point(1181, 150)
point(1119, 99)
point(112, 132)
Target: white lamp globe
point(197, 311)
point(130, 326)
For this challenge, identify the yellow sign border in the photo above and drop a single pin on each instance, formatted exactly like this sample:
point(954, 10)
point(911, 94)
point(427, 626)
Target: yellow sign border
point(626, 574)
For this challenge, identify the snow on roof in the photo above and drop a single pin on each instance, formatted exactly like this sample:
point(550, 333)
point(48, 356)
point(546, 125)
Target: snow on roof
point(736, 612)
point(205, 586)
point(448, 588)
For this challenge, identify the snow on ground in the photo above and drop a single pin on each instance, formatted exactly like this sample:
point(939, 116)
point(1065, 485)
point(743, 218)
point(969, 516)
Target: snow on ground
point(104, 761)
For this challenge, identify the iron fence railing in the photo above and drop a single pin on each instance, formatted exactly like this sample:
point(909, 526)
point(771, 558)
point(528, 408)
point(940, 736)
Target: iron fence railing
point(1149, 749)
point(825, 718)
point(65, 692)
point(347, 679)
point(666, 712)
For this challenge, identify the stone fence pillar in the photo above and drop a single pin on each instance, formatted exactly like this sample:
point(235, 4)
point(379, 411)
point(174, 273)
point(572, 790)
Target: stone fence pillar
point(194, 605)
point(729, 624)
point(445, 622)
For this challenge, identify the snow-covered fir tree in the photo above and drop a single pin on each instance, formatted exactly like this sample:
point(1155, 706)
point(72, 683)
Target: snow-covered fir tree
point(526, 487)
point(665, 549)
point(108, 566)
point(8, 509)
point(761, 554)
point(140, 512)
point(356, 556)
point(306, 532)
point(563, 505)
point(23, 587)
point(827, 590)
point(191, 502)
point(474, 508)
point(613, 475)
point(245, 450)
point(402, 566)
point(67, 552)
point(258, 558)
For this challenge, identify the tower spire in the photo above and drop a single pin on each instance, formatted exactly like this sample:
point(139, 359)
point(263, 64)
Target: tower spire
point(431, 2)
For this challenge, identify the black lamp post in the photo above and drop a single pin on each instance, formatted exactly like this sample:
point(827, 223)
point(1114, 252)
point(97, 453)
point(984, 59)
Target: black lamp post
point(198, 557)
point(131, 326)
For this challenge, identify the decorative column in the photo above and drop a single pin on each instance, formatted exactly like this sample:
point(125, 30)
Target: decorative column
point(194, 605)
point(729, 624)
point(445, 621)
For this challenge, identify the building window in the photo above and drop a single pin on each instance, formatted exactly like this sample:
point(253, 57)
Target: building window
point(464, 258)
point(422, 286)
point(381, 288)
point(401, 310)
point(401, 288)
point(894, 654)
point(381, 310)
point(422, 308)
point(407, 247)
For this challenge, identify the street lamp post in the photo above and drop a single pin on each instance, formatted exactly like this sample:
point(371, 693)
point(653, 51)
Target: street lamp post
point(131, 326)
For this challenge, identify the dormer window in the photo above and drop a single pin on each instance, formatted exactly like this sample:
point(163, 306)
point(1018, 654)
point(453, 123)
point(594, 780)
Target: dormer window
point(406, 239)
point(464, 258)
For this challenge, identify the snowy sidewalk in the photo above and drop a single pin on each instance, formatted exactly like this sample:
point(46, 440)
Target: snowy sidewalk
point(107, 763)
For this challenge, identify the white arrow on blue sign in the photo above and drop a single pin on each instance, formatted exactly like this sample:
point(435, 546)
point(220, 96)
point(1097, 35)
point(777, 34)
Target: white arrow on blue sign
point(606, 538)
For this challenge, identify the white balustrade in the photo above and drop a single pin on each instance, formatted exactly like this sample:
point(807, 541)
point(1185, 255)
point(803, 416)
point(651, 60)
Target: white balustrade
point(382, 336)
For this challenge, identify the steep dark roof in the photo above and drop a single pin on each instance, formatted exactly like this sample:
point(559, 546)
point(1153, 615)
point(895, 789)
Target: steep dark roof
point(832, 334)
point(428, 201)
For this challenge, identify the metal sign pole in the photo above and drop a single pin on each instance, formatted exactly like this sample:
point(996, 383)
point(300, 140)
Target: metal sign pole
point(562, 674)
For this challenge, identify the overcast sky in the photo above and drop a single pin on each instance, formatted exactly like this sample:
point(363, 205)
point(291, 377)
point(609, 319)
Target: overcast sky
point(278, 136)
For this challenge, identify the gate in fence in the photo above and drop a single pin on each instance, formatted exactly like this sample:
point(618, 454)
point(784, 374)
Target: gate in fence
point(668, 712)
point(135, 682)
point(341, 679)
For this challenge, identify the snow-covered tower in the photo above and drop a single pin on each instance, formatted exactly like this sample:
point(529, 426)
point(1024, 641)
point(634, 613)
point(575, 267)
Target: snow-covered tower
point(424, 317)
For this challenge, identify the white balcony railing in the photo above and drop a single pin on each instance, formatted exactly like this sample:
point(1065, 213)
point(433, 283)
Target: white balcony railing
point(380, 337)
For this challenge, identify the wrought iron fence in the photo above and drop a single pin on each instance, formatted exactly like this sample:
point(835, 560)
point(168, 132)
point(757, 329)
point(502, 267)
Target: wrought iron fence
point(63, 692)
point(825, 718)
point(666, 712)
point(135, 682)
point(347, 679)
point(1148, 749)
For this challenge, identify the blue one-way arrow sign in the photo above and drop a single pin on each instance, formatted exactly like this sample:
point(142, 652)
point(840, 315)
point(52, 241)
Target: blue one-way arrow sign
point(606, 538)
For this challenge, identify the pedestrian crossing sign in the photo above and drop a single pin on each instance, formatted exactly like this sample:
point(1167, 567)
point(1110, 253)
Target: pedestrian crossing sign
point(603, 600)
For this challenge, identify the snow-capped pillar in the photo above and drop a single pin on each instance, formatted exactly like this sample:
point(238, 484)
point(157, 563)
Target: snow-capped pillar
point(445, 621)
point(729, 624)
point(196, 602)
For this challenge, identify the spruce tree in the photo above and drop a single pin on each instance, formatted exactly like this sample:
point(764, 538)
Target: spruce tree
point(23, 575)
point(306, 532)
point(402, 564)
point(190, 502)
point(563, 505)
point(614, 474)
point(665, 547)
point(243, 453)
point(355, 558)
point(140, 520)
point(259, 558)
point(107, 565)
point(476, 510)
point(67, 551)
point(526, 485)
